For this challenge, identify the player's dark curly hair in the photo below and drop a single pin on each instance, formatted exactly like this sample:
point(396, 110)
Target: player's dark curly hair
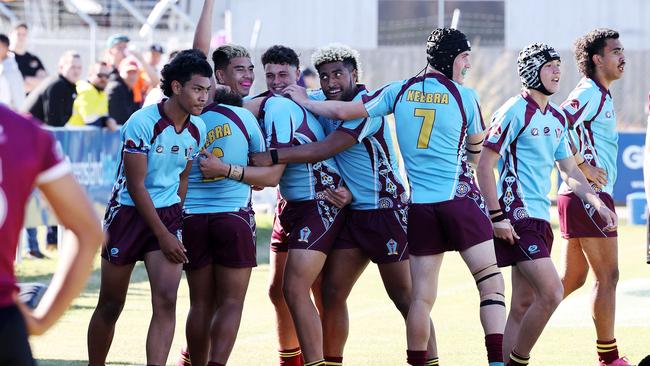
point(182, 67)
point(280, 55)
point(591, 44)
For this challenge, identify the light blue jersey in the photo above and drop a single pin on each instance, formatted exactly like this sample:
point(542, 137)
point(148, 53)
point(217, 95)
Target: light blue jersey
point(433, 116)
point(150, 132)
point(590, 111)
point(287, 124)
point(529, 143)
point(369, 168)
point(232, 133)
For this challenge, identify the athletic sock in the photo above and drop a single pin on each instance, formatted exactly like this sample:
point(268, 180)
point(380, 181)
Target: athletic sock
point(607, 351)
point(432, 362)
point(518, 360)
point(416, 358)
point(291, 357)
point(493, 344)
point(333, 361)
point(320, 362)
point(184, 360)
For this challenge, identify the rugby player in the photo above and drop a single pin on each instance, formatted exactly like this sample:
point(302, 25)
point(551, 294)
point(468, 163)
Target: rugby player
point(527, 135)
point(443, 193)
point(590, 110)
point(143, 217)
point(29, 157)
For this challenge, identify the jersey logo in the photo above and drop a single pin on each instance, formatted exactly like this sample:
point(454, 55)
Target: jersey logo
point(391, 245)
point(547, 131)
point(175, 149)
point(558, 133)
point(115, 252)
point(608, 114)
point(304, 234)
point(575, 104)
point(533, 249)
point(534, 132)
point(159, 149)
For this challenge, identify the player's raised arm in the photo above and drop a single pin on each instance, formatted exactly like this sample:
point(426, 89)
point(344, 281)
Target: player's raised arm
point(203, 31)
point(74, 211)
point(333, 144)
point(333, 109)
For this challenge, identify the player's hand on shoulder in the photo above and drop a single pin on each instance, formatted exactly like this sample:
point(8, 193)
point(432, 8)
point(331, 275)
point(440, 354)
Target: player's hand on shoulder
point(172, 248)
point(211, 166)
point(339, 197)
point(595, 175)
point(297, 93)
point(260, 159)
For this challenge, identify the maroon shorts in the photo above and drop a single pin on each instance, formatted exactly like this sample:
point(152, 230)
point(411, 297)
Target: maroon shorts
point(130, 237)
point(535, 242)
point(225, 238)
point(579, 219)
point(457, 224)
point(380, 234)
point(312, 224)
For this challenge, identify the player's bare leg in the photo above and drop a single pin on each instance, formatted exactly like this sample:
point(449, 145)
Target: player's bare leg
point(425, 271)
point(164, 278)
point(112, 294)
point(197, 327)
point(230, 291)
point(342, 270)
point(302, 268)
point(574, 267)
point(547, 287)
point(522, 297)
point(287, 337)
point(482, 263)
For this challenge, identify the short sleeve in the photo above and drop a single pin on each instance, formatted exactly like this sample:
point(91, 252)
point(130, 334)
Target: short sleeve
point(281, 118)
point(563, 150)
point(362, 127)
point(504, 128)
point(137, 135)
point(472, 107)
point(382, 101)
point(256, 142)
point(581, 105)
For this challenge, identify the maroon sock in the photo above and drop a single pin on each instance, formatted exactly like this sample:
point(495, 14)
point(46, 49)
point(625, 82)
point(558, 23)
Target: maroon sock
point(493, 343)
point(416, 358)
point(607, 351)
point(333, 361)
point(291, 357)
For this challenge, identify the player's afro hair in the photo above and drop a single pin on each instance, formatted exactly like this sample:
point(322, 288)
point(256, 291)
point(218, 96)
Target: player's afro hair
point(280, 55)
point(223, 54)
point(336, 52)
point(182, 67)
point(590, 44)
point(529, 64)
point(443, 45)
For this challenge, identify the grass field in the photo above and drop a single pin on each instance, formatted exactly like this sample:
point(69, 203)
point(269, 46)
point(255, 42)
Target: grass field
point(377, 335)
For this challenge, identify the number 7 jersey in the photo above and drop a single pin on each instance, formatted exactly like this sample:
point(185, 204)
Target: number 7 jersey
point(433, 116)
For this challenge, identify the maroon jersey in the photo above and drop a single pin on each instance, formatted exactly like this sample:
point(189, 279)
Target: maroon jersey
point(28, 157)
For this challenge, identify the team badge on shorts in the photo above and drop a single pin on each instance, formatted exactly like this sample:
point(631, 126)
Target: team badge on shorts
point(533, 249)
point(391, 245)
point(304, 234)
point(114, 252)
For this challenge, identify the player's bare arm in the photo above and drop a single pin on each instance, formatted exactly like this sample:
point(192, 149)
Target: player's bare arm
point(135, 169)
point(333, 144)
point(182, 186)
point(333, 109)
point(74, 212)
point(473, 147)
point(202, 36)
point(213, 167)
point(579, 185)
point(486, 181)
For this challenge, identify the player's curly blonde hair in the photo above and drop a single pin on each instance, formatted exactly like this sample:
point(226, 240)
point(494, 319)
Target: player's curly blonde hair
point(336, 52)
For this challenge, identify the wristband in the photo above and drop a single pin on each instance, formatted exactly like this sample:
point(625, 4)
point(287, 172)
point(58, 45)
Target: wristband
point(243, 170)
point(274, 155)
point(236, 172)
point(498, 218)
point(229, 169)
point(477, 143)
point(492, 212)
point(473, 151)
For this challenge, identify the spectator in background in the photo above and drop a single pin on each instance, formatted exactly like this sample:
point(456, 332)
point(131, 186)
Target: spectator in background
point(90, 108)
point(51, 102)
point(11, 81)
point(30, 65)
point(309, 80)
point(116, 50)
point(153, 56)
point(120, 91)
point(156, 95)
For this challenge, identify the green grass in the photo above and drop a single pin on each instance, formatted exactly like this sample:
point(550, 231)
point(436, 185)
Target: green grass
point(377, 335)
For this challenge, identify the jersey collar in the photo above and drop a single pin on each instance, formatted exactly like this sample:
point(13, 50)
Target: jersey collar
point(532, 103)
point(168, 121)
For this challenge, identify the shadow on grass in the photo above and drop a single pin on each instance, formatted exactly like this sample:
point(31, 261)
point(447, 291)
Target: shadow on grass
point(50, 362)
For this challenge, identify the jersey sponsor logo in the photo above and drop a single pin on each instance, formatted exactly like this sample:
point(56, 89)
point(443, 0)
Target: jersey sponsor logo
point(175, 149)
point(547, 131)
point(159, 149)
point(115, 252)
point(534, 132)
point(304, 234)
point(423, 97)
point(575, 104)
point(391, 245)
point(608, 114)
point(188, 153)
point(533, 249)
point(558, 133)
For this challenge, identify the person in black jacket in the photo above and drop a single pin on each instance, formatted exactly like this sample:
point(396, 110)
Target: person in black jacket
point(52, 100)
point(120, 91)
